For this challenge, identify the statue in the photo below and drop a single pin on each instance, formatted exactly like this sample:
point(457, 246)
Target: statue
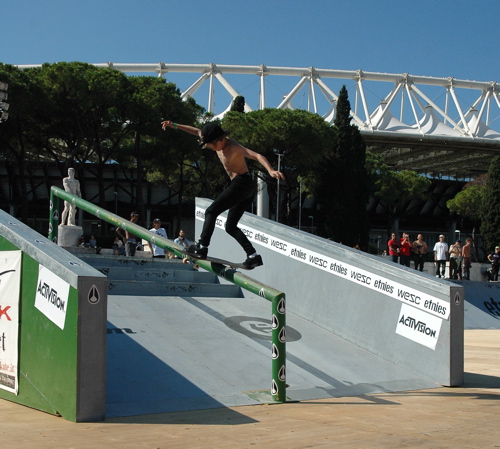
point(71, 185)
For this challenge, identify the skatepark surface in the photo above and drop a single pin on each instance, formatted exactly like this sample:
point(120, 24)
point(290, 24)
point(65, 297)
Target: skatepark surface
point(217, 398)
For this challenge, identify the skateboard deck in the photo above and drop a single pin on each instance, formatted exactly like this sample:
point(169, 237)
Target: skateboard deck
point(226, 263)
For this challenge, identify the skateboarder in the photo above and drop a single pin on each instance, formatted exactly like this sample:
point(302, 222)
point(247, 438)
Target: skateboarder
point(237, 197)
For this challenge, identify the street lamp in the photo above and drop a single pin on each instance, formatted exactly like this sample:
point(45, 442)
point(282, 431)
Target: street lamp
point(300, 202)
point(280, 155)
point(457, 230)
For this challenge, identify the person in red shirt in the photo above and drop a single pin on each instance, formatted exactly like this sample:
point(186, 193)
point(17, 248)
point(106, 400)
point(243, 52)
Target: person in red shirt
point(405, 250)
point(393, 246)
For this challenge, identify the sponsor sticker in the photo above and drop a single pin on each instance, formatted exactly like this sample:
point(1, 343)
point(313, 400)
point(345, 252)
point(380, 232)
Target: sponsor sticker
point(51, 297)
point(351, 273)
point(10, 282)
point(418, 326)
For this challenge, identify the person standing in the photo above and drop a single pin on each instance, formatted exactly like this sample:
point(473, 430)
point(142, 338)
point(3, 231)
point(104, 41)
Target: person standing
point(466, 254)
point(494, 258)
point(456, 260)
point(156, 251)
point(419, 247)
point(440, 256)
point(130, 239)
point(393, 246)
point(237, 197)
point(405, 250)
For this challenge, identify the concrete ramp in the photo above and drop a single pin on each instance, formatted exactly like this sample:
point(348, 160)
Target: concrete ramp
point(169, 354)
point(410, 319)
point(482, 305)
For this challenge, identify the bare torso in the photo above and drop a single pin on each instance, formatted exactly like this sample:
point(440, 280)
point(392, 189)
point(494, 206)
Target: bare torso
point(232, 158)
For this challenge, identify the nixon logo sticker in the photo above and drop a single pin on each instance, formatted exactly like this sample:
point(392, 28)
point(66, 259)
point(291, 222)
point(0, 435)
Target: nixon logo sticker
point(94, 295)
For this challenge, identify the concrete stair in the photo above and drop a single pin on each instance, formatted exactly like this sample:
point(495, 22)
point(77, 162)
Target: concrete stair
point(144, 276)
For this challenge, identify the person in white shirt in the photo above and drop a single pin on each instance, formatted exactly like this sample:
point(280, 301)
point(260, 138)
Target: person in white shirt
point(440, 256)
point(156, 251)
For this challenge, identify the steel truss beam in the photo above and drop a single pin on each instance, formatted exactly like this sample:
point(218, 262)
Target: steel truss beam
point(428, 108)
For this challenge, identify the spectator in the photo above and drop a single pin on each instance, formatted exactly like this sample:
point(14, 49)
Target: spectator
point(118, 247)
point(419, 247)
point(393, 246)
point(456, 260)
point(467, 258)
point(405, 250)
point(92, 242)
point(156, 251)
point(440, 256)
point(130, 239)
point(182, 240)
point(494, 258)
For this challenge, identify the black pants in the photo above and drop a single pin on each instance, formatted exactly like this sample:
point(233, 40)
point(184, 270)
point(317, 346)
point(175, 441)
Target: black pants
point(442, 264)
point(236, 198)
point(419, 261)
point(494, 271)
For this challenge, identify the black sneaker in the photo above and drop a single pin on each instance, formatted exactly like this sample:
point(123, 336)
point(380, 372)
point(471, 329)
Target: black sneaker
point(253, 262)
point(197, 251)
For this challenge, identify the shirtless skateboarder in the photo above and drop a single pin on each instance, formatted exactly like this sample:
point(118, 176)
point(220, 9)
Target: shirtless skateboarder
point(237, 197)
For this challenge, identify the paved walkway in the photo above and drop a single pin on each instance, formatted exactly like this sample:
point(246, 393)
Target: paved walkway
point(466, 417)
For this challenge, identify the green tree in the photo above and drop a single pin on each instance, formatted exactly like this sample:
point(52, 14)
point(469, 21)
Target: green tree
point(490, 209)
point(394, 189)
point(238, 104)
point(342, 187)
point(299, 136)
point(17, 135)
point(467, 204)
point(397, 190)
point(85, 118)
point(150, 100)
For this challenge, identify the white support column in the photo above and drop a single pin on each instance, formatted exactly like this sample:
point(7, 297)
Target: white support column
point(288, 99)
point(191, 90)
point(481, 112)
point(211, 100)
point(262, 198)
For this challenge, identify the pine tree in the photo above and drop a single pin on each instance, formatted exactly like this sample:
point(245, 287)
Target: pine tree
point(342, 188)
point(490, 209)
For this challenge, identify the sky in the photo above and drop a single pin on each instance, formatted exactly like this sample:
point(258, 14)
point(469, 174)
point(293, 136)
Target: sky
point(440, 38)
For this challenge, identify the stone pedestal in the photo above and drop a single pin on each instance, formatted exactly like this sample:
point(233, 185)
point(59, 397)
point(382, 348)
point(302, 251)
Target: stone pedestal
point(69, 236)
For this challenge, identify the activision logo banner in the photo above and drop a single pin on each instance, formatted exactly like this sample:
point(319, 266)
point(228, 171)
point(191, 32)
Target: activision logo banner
point(52, 296)
point(418, 326)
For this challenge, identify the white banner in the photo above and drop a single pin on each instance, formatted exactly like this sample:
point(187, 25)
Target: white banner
point(10, 282)
point(52, 296)
point(418, 326)
point(401, 292)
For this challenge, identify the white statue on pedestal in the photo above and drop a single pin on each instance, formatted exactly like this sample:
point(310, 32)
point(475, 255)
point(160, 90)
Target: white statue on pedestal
point(71, 185)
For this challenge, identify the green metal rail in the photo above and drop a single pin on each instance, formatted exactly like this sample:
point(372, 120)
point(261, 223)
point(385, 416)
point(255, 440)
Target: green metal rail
point(277, 298)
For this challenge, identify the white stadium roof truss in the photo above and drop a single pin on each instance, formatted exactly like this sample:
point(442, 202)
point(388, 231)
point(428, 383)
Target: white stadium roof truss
point(416, 122)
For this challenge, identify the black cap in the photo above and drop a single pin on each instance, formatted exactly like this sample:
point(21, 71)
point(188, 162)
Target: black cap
point(212, 131)
point(156, 220)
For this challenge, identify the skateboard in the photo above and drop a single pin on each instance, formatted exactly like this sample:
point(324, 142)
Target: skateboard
point(226, 263)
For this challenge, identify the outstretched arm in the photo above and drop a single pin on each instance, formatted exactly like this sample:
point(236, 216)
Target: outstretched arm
point(262, 160)
point(186, 128)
